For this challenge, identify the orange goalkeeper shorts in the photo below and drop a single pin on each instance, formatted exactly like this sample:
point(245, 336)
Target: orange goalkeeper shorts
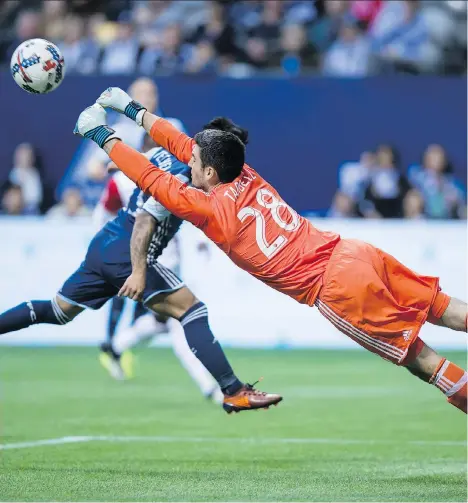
point(377, 301)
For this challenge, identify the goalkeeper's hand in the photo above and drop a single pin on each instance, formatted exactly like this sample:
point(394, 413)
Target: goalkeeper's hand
point(120, 101)
point(92, 124)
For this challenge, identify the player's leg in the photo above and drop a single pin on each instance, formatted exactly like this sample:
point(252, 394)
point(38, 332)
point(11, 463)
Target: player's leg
point(176, 304)
point(199, 340)
point(78, 292)
point(145, 325)
point(208, 386)
point(143, 328)
point(443, 374)
point(106, 356)
point(452, 314)
point(34, 312)
point(109, 356)
point(385, 310)
point(85, 288)
point(179, 302)
point(115, 313)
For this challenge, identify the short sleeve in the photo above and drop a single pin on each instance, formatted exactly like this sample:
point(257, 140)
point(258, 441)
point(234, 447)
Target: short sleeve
point(155, 208)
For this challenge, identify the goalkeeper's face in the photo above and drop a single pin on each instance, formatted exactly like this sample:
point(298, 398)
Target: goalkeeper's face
point(203, 177)
point(195, 165)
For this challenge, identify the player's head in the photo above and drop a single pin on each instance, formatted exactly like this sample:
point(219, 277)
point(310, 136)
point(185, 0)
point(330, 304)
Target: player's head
point(145, 91)
point(226, 124)
point(219, 153)
point(217, 157)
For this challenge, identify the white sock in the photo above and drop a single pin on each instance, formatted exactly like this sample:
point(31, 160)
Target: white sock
point(193, 366)
point(144, 328)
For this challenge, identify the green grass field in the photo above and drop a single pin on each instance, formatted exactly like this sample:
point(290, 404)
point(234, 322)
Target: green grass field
point(351, 428)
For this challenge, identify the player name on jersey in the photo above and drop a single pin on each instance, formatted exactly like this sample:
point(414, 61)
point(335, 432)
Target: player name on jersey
point(239, 186)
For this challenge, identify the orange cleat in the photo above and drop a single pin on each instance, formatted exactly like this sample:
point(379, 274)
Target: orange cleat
point(249, 398)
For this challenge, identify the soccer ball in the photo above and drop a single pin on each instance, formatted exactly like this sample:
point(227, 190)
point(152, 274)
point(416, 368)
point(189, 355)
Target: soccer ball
point(37, 66)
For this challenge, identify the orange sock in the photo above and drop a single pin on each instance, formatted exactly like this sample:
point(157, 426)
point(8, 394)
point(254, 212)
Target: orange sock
point(451, 380)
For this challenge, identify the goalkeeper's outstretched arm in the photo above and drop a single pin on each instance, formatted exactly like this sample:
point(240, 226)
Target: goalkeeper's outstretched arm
point(183, 201)
point(170, 138)
point(161, 131)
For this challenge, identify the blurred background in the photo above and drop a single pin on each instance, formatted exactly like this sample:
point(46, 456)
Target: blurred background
point(356, 111)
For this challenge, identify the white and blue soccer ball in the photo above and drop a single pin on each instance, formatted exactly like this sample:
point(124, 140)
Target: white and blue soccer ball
point(37, 66)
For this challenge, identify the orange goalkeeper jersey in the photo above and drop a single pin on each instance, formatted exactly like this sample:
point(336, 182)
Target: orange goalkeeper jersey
point(246, 218)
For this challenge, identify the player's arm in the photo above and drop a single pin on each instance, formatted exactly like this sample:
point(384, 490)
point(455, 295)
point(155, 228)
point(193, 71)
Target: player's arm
point(161, 131)
point(170, 138)
point(108, 206)
point(143, 230)
point(181, 200)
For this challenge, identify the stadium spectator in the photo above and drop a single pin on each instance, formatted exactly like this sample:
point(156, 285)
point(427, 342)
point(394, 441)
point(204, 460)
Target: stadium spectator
point(189, 14)
point(215, 39)
point(386, 188)
point(353, 177)
point(294, 51)
point(299, 12)
point(25, 174)
point(13, 201)
point(443, 195)
point(365, 11)
point(268, 29)
point(349, 54)
point(92, 185)
point(404, 43)
point(164, 51)
point(88, 169)
point(71, 205)
point(8, 12)
point(120, 56)
point(342, 206)
point(245, 14)
point(202, 58)
point(390, 16)
point(80, 52)
point(110, 8)
point(54, 19)
point(28, 25)
point(238, 38)
point(324, 32)
point(413, 205)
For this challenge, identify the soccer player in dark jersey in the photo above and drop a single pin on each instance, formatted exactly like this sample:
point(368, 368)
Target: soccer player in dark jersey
point(111, 267)
point(365, 292)
point(116, 356)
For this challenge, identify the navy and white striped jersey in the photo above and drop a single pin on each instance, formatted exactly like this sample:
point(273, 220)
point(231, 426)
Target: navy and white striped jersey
point(168, 224)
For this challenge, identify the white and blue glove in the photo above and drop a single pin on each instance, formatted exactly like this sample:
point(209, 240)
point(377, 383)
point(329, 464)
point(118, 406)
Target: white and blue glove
point(120, 101)
point(92, 124)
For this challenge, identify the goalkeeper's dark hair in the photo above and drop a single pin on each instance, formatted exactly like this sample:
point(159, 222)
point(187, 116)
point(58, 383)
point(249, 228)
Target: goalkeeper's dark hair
point(226, 124)
point(223, 151)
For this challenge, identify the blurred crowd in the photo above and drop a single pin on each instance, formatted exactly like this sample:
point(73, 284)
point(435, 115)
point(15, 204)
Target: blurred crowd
point(25, 192)
point(375, 186)
point(350, 38)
